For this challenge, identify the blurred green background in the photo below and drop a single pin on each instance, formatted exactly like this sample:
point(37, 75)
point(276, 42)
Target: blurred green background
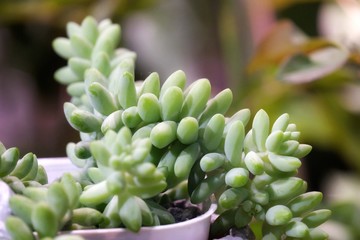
point(300, 57)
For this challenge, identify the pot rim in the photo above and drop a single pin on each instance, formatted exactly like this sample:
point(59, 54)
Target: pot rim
point(202, 217)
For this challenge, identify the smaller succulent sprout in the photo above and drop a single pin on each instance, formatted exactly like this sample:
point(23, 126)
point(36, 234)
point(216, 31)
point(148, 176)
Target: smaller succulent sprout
point(264, 167)
point(122, 159)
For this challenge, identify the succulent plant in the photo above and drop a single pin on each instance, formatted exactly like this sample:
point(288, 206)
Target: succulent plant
point(18, 172)
point(142, 140)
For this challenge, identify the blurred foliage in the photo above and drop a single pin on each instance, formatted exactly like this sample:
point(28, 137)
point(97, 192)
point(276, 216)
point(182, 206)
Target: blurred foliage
point(61, 11)
point(342, 191)
point(281, 4)
point(346, 214)
point(308, 78)
point(314, 79)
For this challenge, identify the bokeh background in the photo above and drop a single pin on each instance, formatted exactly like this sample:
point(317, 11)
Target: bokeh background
point(300, 57)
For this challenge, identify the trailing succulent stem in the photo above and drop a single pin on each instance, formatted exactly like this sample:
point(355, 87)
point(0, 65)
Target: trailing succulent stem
point(140, 140)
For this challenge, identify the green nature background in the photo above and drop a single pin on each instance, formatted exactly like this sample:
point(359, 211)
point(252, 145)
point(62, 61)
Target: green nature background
point(300, 57)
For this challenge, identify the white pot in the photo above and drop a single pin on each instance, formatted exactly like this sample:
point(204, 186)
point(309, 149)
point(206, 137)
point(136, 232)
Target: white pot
point(193, 229)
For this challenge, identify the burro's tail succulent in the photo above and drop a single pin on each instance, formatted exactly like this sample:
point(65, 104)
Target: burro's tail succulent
point(261, 183)
point(142, 140)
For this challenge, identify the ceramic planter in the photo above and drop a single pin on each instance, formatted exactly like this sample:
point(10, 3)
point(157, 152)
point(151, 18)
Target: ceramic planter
point(193, 229)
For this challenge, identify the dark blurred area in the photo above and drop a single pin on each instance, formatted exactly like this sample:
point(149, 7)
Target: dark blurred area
point(300, 57)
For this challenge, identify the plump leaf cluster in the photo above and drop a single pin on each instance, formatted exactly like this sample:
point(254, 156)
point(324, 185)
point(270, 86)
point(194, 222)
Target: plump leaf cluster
point(142, 139)
point(18, 172)
point(47, 209)
point(35, 205)
point(262, 186)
